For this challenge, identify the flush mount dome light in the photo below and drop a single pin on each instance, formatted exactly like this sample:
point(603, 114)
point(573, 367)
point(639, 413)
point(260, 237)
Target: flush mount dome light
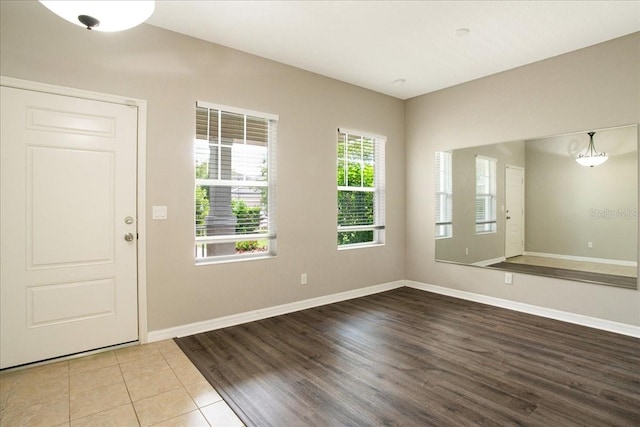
point(102, 15)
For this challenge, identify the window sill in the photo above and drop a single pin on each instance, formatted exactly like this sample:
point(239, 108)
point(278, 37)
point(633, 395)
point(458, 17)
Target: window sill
point(360, 246)
point(211, 261)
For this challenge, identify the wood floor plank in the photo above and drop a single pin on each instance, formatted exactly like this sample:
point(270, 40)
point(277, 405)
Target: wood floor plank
point(564, 273)
point(412, 358)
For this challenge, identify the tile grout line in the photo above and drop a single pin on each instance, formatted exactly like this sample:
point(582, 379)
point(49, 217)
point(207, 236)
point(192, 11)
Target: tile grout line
point(184, 387)
point(127, 387)
point(69, 381)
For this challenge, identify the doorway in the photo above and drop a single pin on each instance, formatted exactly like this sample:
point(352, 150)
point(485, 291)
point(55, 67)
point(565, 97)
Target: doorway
point(514, 201)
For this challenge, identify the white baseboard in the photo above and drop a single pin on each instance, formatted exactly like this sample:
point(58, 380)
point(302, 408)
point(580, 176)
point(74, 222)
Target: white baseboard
point(578, 319)
point(250, 316)
point(583, 259)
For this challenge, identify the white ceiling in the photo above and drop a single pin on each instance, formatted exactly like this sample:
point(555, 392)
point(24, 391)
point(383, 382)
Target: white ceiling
point(373, 44)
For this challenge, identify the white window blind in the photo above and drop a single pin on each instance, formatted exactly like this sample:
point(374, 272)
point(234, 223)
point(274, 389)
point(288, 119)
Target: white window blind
point(235, 203)
point(361, 191)
point(485, 195)
point(444, 194)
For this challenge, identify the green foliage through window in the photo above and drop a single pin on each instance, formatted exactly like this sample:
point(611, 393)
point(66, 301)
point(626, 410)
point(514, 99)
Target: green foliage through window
point(247, 222)
point(247, 218)
point(202, 199)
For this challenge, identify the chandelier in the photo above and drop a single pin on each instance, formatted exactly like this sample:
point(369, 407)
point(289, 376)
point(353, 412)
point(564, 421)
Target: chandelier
point(591, 157)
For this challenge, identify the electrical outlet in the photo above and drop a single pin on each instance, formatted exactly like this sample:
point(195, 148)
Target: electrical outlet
point(590, 245)
point(303, 279)
point(508, 278)
point(466, 251)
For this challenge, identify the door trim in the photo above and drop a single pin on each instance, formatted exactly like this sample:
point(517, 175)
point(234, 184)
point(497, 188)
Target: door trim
point(141, 107)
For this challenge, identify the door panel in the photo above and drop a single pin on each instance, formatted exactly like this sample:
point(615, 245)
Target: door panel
point(68, 277)
point(514, 244)
point(65, 122)
point(52, 175)
point(69, 302)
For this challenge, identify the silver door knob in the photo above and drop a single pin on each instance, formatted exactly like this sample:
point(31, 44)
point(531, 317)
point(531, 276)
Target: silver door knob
point(128, 237)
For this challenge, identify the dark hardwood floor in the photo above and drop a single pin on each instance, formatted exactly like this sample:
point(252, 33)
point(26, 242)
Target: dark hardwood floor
point(563, 273)
point(412, 358)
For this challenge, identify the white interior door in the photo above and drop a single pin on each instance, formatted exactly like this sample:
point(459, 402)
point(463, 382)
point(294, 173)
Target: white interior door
point(514, 182)
point(68, 277)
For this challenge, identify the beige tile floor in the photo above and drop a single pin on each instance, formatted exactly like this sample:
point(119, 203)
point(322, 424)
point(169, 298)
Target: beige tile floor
point(147, 385)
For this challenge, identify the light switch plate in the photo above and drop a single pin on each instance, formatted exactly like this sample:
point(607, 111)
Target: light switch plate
point(159, 212)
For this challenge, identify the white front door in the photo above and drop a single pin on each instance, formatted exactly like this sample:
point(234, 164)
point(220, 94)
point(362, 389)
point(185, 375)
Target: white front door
point(68, 277)
point(514, 244)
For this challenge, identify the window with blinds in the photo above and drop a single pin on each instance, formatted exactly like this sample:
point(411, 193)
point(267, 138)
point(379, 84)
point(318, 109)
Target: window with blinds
point(444, 195)
point(360, 177)
point(235, 199)
point(485, 195)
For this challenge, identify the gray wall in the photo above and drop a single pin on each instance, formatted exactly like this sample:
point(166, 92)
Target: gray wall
point(172, 72)
point(591, 88)
point(485, 246)
point(569, 205)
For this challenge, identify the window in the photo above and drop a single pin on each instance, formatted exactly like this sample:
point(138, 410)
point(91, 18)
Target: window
point(360, 188)
point(444, 195)
point(485, 195)
point(234, 183)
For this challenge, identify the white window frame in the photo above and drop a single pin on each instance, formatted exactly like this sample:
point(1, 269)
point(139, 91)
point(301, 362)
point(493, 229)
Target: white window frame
point(270, 184)
point(378, 226)
point(487, 224)
point(444, 194)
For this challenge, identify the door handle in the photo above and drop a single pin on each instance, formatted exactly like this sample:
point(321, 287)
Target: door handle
point(128, 237)
point(508, 217)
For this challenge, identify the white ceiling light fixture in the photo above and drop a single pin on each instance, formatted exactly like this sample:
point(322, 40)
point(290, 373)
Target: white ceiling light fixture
point(103, 15)
point(591, 157)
